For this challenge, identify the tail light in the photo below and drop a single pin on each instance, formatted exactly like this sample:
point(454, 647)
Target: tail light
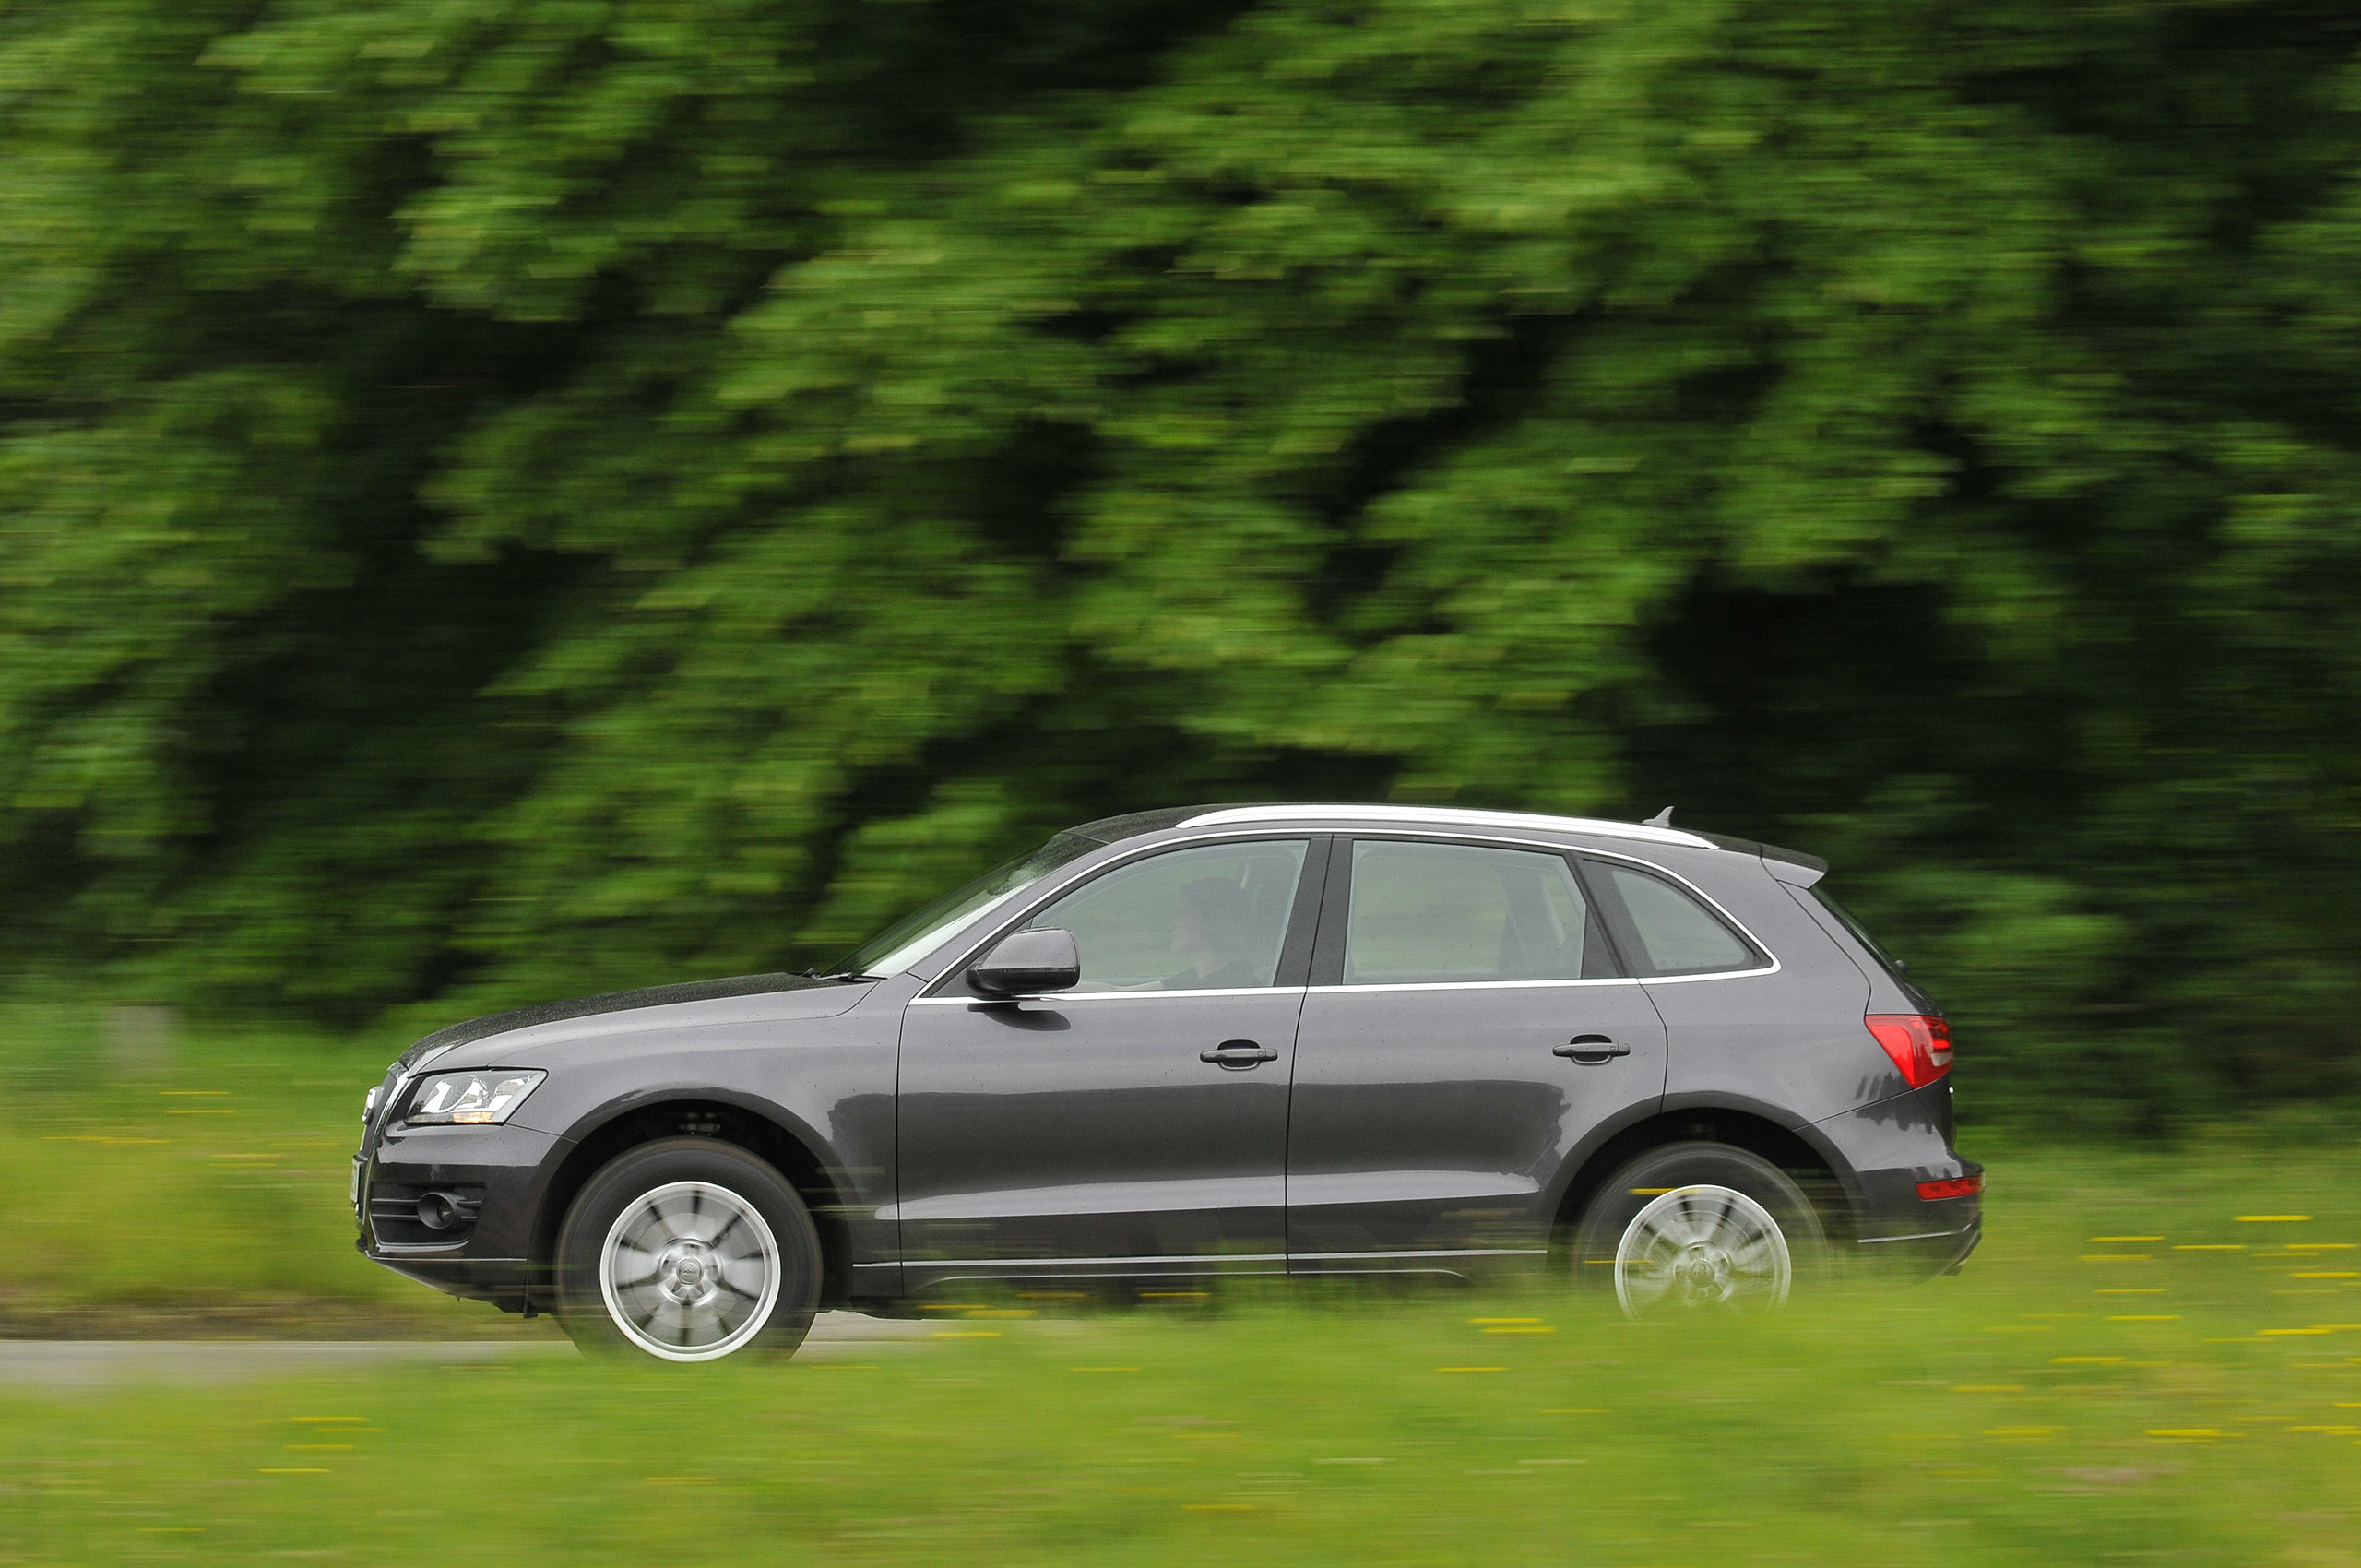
point(1920, 1045)
point(1951, 1187)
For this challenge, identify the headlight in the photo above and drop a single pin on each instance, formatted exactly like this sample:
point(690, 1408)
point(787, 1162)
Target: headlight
point(469, 1098)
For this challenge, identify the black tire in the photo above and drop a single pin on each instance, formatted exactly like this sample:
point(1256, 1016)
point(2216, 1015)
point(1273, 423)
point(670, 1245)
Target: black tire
point(1676, 1186)
point(722, 1232)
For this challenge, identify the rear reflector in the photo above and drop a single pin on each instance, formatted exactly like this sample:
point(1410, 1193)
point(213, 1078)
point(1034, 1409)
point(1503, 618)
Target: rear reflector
point(1956, 1187)
point(1919, 1044)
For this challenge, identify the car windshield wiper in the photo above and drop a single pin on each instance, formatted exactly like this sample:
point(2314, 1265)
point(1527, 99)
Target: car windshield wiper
point(846, 975)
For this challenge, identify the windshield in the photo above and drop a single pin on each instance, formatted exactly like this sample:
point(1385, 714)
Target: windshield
point(914, 936)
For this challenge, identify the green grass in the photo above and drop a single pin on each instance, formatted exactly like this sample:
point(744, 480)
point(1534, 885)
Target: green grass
point(1891, 1428)
point(2077, 1396)
point(207, 1197)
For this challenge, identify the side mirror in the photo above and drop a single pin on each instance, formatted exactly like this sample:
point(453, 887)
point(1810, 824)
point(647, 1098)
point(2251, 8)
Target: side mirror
point(1024, 963)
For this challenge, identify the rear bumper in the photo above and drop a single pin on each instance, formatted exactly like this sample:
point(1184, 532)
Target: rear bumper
point(1931, 1252)
point(1885, 1150)
point(1897, 1228)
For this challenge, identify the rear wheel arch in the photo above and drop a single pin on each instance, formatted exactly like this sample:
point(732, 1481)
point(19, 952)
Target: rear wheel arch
point(762, 1135)
point(1810, 1166)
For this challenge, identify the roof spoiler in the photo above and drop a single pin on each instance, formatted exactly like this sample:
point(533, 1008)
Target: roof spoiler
point(1792, 866)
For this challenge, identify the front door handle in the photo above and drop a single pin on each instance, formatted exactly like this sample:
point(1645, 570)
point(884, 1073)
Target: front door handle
point(1591, 1049)
point(1237, 1055)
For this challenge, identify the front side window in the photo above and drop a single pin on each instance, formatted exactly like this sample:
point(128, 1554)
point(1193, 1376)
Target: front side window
point(915, 935)
point(1206, 918)
point(1429, 914)
point(1678, 935)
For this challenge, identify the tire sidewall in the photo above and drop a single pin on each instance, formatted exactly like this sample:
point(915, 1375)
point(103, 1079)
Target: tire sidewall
point(1596, 1237)
point(582, 1236)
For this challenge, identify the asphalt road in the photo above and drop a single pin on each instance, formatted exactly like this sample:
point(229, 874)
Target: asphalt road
point(29, 1364)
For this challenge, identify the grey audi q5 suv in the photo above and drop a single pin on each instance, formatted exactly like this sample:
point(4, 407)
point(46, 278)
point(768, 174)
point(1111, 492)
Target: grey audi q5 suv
point(1235, 1040)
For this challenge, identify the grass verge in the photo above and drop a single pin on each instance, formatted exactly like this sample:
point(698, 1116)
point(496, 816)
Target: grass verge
point(207, 1197)
point(2153, 1361)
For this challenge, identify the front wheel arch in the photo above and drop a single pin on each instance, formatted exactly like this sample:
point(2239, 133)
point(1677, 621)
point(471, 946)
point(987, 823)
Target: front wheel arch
point(728, 1124)
point(747, 1233)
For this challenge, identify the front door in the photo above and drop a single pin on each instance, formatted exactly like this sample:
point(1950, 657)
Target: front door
point(1475, 1025)
point(1136, 1123)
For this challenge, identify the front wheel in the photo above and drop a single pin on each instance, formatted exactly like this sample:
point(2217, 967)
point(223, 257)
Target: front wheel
point(688, 1250)
point(1698, 1225)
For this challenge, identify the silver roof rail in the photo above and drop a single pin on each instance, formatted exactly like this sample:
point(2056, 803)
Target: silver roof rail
point(1450, 817)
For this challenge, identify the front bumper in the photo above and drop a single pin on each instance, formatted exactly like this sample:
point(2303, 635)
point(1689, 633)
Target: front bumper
point(494, 1258)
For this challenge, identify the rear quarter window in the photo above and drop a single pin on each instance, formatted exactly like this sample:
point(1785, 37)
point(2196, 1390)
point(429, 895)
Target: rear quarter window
point(1860, 933)
point(1675, 933)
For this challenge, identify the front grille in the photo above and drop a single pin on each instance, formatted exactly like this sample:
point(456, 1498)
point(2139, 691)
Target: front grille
point(374, 1113)
point(422, 1217)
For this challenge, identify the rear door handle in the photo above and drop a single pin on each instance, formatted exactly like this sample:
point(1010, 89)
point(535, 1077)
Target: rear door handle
point(1237, 1055)
point(1591, 1049)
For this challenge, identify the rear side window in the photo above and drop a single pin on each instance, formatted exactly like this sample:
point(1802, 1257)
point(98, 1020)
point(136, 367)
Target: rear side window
point(1429, 914)
point(1677, 935)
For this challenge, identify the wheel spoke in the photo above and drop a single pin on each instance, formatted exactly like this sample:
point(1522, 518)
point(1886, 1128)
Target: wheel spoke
point(1648, 1283)
point(668, 1214)
point(1704, 1223)
point(701, 1326)
point(1755, 1256)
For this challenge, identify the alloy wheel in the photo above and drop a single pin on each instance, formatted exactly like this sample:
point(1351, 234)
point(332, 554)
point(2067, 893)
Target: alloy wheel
point(690, 1271)
point(1702, 1246)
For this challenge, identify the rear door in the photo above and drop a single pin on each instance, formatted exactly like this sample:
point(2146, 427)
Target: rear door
point(1136, 1123)
point(1469, 1022)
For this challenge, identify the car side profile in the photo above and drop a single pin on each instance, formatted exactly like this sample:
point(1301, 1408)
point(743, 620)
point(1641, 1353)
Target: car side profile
point(1302, 1040)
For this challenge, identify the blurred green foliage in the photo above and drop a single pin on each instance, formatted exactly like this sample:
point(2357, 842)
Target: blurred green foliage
point(501, 497)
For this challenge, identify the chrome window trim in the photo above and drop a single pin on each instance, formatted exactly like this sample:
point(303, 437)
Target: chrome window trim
point(1410, 831)
point(1773, 968)
point(1062, 997)
point(1485, 985)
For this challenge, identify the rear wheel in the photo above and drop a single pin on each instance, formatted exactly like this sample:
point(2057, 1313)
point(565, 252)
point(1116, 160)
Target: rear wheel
point(688, 1250)
point(1699, 1226)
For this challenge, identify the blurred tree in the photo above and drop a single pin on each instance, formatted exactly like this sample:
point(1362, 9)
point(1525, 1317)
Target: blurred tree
point(503, 496)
